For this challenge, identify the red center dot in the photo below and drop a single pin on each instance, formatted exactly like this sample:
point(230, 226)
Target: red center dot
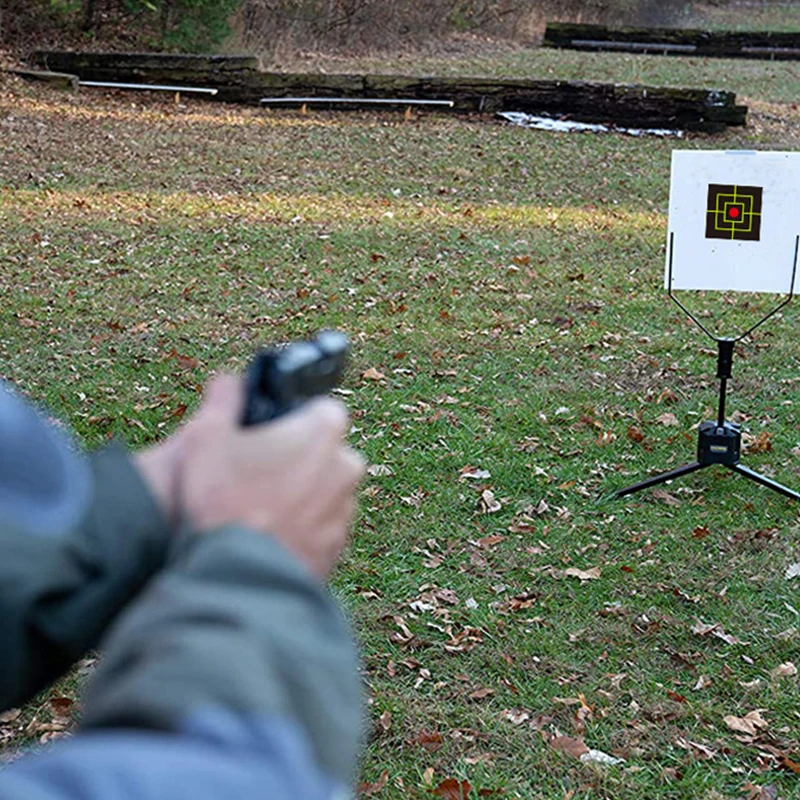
point(734, 212)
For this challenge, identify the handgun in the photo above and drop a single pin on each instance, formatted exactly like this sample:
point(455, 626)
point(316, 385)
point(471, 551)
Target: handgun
point(280, 379)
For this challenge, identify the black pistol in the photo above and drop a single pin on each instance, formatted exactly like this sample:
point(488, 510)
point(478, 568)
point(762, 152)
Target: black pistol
point(280, 379)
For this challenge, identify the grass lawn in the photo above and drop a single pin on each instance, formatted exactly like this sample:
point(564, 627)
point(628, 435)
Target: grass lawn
point(515, 360)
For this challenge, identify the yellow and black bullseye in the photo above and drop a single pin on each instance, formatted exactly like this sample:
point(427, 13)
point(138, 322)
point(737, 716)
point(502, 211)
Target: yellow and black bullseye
point(733, 212)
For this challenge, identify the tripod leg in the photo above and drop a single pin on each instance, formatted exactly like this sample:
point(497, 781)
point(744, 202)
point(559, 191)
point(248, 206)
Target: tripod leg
point(662, 478)
point(764, 481)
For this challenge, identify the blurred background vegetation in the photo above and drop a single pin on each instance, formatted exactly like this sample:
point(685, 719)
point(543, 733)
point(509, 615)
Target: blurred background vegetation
point(267, 27)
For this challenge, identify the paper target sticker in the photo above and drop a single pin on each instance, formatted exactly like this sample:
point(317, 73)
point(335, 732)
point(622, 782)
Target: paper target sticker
point(734, 221)
point(734, 212)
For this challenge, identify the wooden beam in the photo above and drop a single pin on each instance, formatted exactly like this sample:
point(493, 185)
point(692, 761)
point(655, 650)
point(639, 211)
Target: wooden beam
point(623, 105)
point(674, 41)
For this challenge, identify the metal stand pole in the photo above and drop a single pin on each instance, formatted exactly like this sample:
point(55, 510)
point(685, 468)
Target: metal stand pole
point(719, 442)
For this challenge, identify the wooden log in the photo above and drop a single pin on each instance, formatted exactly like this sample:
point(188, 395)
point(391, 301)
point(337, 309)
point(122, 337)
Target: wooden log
point(58, 80)
point(674, 41)
point(616, 104)
point(210, 70)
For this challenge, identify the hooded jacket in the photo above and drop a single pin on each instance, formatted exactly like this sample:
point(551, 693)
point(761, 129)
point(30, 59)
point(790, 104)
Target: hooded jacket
point(227, 671)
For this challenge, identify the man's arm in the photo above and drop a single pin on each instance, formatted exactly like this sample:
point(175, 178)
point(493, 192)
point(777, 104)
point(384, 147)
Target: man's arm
point(233, 676)
point(79, 538)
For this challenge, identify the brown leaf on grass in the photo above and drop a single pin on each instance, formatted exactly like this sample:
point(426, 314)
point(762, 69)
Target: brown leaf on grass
point(635, 434)
point(481, 694)
point(757, 444)
point(488, 542)
point(405, 635)
point(671, 774)
point(584, 575)
point(787, 670)
point(668, 498)
point(516, 716)
point(540, 509)
point(760, 792)
point(385, 721)
point(700, 751)
point(715, 628)
point(10, 716)
point(703, 628)
point(184, 362)
point(453, 789)
point(372, 374)
point(700, 532)
point(751, 723)
point(379, 470)
point(475, 473)
point(569, 746)
point(488, 503)
point(675, 697)
point(667, 396)
point(523, 524)
point(62, 706)
point(787, 763)
point(429, 740)
point(668, 419)
point(373, 788)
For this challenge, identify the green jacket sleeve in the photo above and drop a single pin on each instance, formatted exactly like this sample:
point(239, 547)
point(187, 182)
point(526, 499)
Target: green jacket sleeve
point(58, 594)
point(236, 623)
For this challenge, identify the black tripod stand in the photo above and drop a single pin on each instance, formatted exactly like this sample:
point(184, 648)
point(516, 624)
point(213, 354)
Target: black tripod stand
point(719, 442)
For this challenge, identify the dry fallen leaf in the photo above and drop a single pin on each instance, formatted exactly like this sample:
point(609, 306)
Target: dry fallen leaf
point(10, 715)
point(760, 792)
point(488, 503)
point(452, 789)
point(570, 746)
point(792, 571)
point(372, 374)
point(668, 498)
point(787, 670)
point(750, 723)
point(757, 444)
point(700, 751)
point(515, 715)
point(373, 788)
point(379, 470)
point(715, 628)
point(475, 473)
point(430, 740)
point(585, 575)
point(668, 418)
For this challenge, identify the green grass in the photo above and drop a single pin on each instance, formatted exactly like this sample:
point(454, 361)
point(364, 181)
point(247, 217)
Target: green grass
point(507, 283)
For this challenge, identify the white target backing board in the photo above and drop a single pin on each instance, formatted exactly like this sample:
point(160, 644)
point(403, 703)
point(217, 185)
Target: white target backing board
point(734, 218)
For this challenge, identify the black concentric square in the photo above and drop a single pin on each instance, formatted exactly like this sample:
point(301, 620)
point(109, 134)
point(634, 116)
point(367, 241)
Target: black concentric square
point(734, 212)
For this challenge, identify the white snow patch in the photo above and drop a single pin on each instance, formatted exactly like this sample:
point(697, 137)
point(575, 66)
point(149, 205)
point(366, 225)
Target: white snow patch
point(569, 126)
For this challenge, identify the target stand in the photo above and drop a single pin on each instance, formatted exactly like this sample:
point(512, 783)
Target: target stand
point(720, 441)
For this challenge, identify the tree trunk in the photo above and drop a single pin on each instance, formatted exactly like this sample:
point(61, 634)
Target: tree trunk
point(89, 8)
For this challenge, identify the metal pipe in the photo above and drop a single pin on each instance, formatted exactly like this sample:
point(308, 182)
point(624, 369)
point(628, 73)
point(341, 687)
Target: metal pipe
point(151, 86)
point(369, 100)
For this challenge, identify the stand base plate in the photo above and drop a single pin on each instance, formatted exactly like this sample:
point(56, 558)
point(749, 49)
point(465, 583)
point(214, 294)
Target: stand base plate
point(686, 469)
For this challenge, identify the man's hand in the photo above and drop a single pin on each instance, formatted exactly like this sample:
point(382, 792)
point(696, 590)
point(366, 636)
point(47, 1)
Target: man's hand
point(159, 465)
point(293, 478)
